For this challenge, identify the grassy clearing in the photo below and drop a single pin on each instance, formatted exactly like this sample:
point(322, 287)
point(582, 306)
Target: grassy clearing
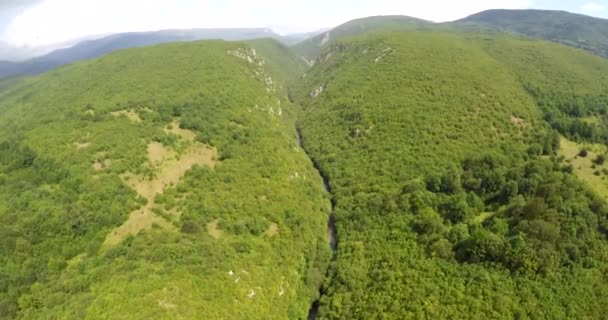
point(170, 169)
point(592, 120)
point(157, 153)
point(482, 217)
point(82, 145)
point(174, 128)
point(584, 167)
point(273, 230)
point(138, 220)
point(518, 122)
point(214, 230)
point(101, 165)
point(130, 114)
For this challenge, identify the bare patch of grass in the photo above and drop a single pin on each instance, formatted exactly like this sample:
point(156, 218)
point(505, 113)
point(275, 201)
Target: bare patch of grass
point(82, 145)
point(101, 165)
point(214, 230)
point(482, 217)
point(157, 153)
point(518, 122)
point(272, 230)
point(130, 114)
point(583, 166)
point(174, 128)
point(138, 220)
point(170, 169)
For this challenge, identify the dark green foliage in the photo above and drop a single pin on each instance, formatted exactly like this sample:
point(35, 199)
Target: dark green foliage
point(450, 198)
point(440, 150)
point(567, 28)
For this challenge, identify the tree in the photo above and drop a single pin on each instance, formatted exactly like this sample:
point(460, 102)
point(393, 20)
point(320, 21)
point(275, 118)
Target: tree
point(428, 222)
point(599, 160)
point(455, 209)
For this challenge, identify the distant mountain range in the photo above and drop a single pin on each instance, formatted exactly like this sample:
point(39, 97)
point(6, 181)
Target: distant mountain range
point(99, 47)
point(575, 30)
point(567, 28)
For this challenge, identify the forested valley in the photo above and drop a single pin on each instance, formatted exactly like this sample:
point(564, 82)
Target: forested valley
point(462, 175)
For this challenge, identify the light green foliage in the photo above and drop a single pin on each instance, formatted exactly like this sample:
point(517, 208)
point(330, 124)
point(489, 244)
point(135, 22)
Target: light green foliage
point(311, 48)
point(56, 208)
point(440, 150)
point(570, 86)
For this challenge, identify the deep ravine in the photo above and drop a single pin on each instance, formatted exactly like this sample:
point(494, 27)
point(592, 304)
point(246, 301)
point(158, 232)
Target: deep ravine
point(331, 226)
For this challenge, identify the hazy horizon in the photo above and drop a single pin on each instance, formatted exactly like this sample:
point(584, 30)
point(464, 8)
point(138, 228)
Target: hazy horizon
point(39, 23)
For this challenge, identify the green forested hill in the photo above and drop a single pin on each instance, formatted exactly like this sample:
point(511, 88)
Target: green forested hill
point(236, 230)
point(311, 48)
point(574, 30)
point(567, 28)
point(569, 85)
point(467, 172)
point(451, 201)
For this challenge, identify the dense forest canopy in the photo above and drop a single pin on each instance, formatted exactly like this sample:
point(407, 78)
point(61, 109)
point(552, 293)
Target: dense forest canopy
point(450, 196)
point(464, 173)
point(236, 229)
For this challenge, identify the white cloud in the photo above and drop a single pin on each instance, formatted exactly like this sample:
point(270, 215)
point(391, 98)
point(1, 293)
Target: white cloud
point(54, 21)
point(593, 7)
point(59, 20)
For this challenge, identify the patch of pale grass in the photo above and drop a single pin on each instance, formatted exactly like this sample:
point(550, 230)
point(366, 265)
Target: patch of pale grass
point(138, 220)
point(482, 217)
point(272, 230)
point(82, 145)
point(214, 230)
point(518, 122)
point(101, 165)
point(169, 173)
point(130, 114)
point(174, 128)
point(157, 153)
point(582, 167)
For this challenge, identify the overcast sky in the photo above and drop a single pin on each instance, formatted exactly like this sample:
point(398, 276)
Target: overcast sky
point(44, 22)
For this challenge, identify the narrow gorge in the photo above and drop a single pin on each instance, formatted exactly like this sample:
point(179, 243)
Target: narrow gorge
point(332, 238)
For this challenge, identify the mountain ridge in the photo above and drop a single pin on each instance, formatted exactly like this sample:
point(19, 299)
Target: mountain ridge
point(572, 29)
point(98, 47)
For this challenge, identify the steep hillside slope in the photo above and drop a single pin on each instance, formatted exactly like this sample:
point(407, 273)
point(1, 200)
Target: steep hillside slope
point(567, 28)
point(281, 60)
point(158, 183)
point(450, 200)
point(99, 47)
point(311, 48)
point(570, 86)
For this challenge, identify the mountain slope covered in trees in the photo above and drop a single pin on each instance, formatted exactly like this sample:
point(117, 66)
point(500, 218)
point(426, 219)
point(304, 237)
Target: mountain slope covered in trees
point(567, 28)
point(451, 201)
point(575, 30)
point(312, 47)
point(158, 183)
point(168, 182)
point(96, 48)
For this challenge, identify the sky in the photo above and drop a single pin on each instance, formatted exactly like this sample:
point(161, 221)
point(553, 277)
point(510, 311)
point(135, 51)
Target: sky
point(34, 23)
